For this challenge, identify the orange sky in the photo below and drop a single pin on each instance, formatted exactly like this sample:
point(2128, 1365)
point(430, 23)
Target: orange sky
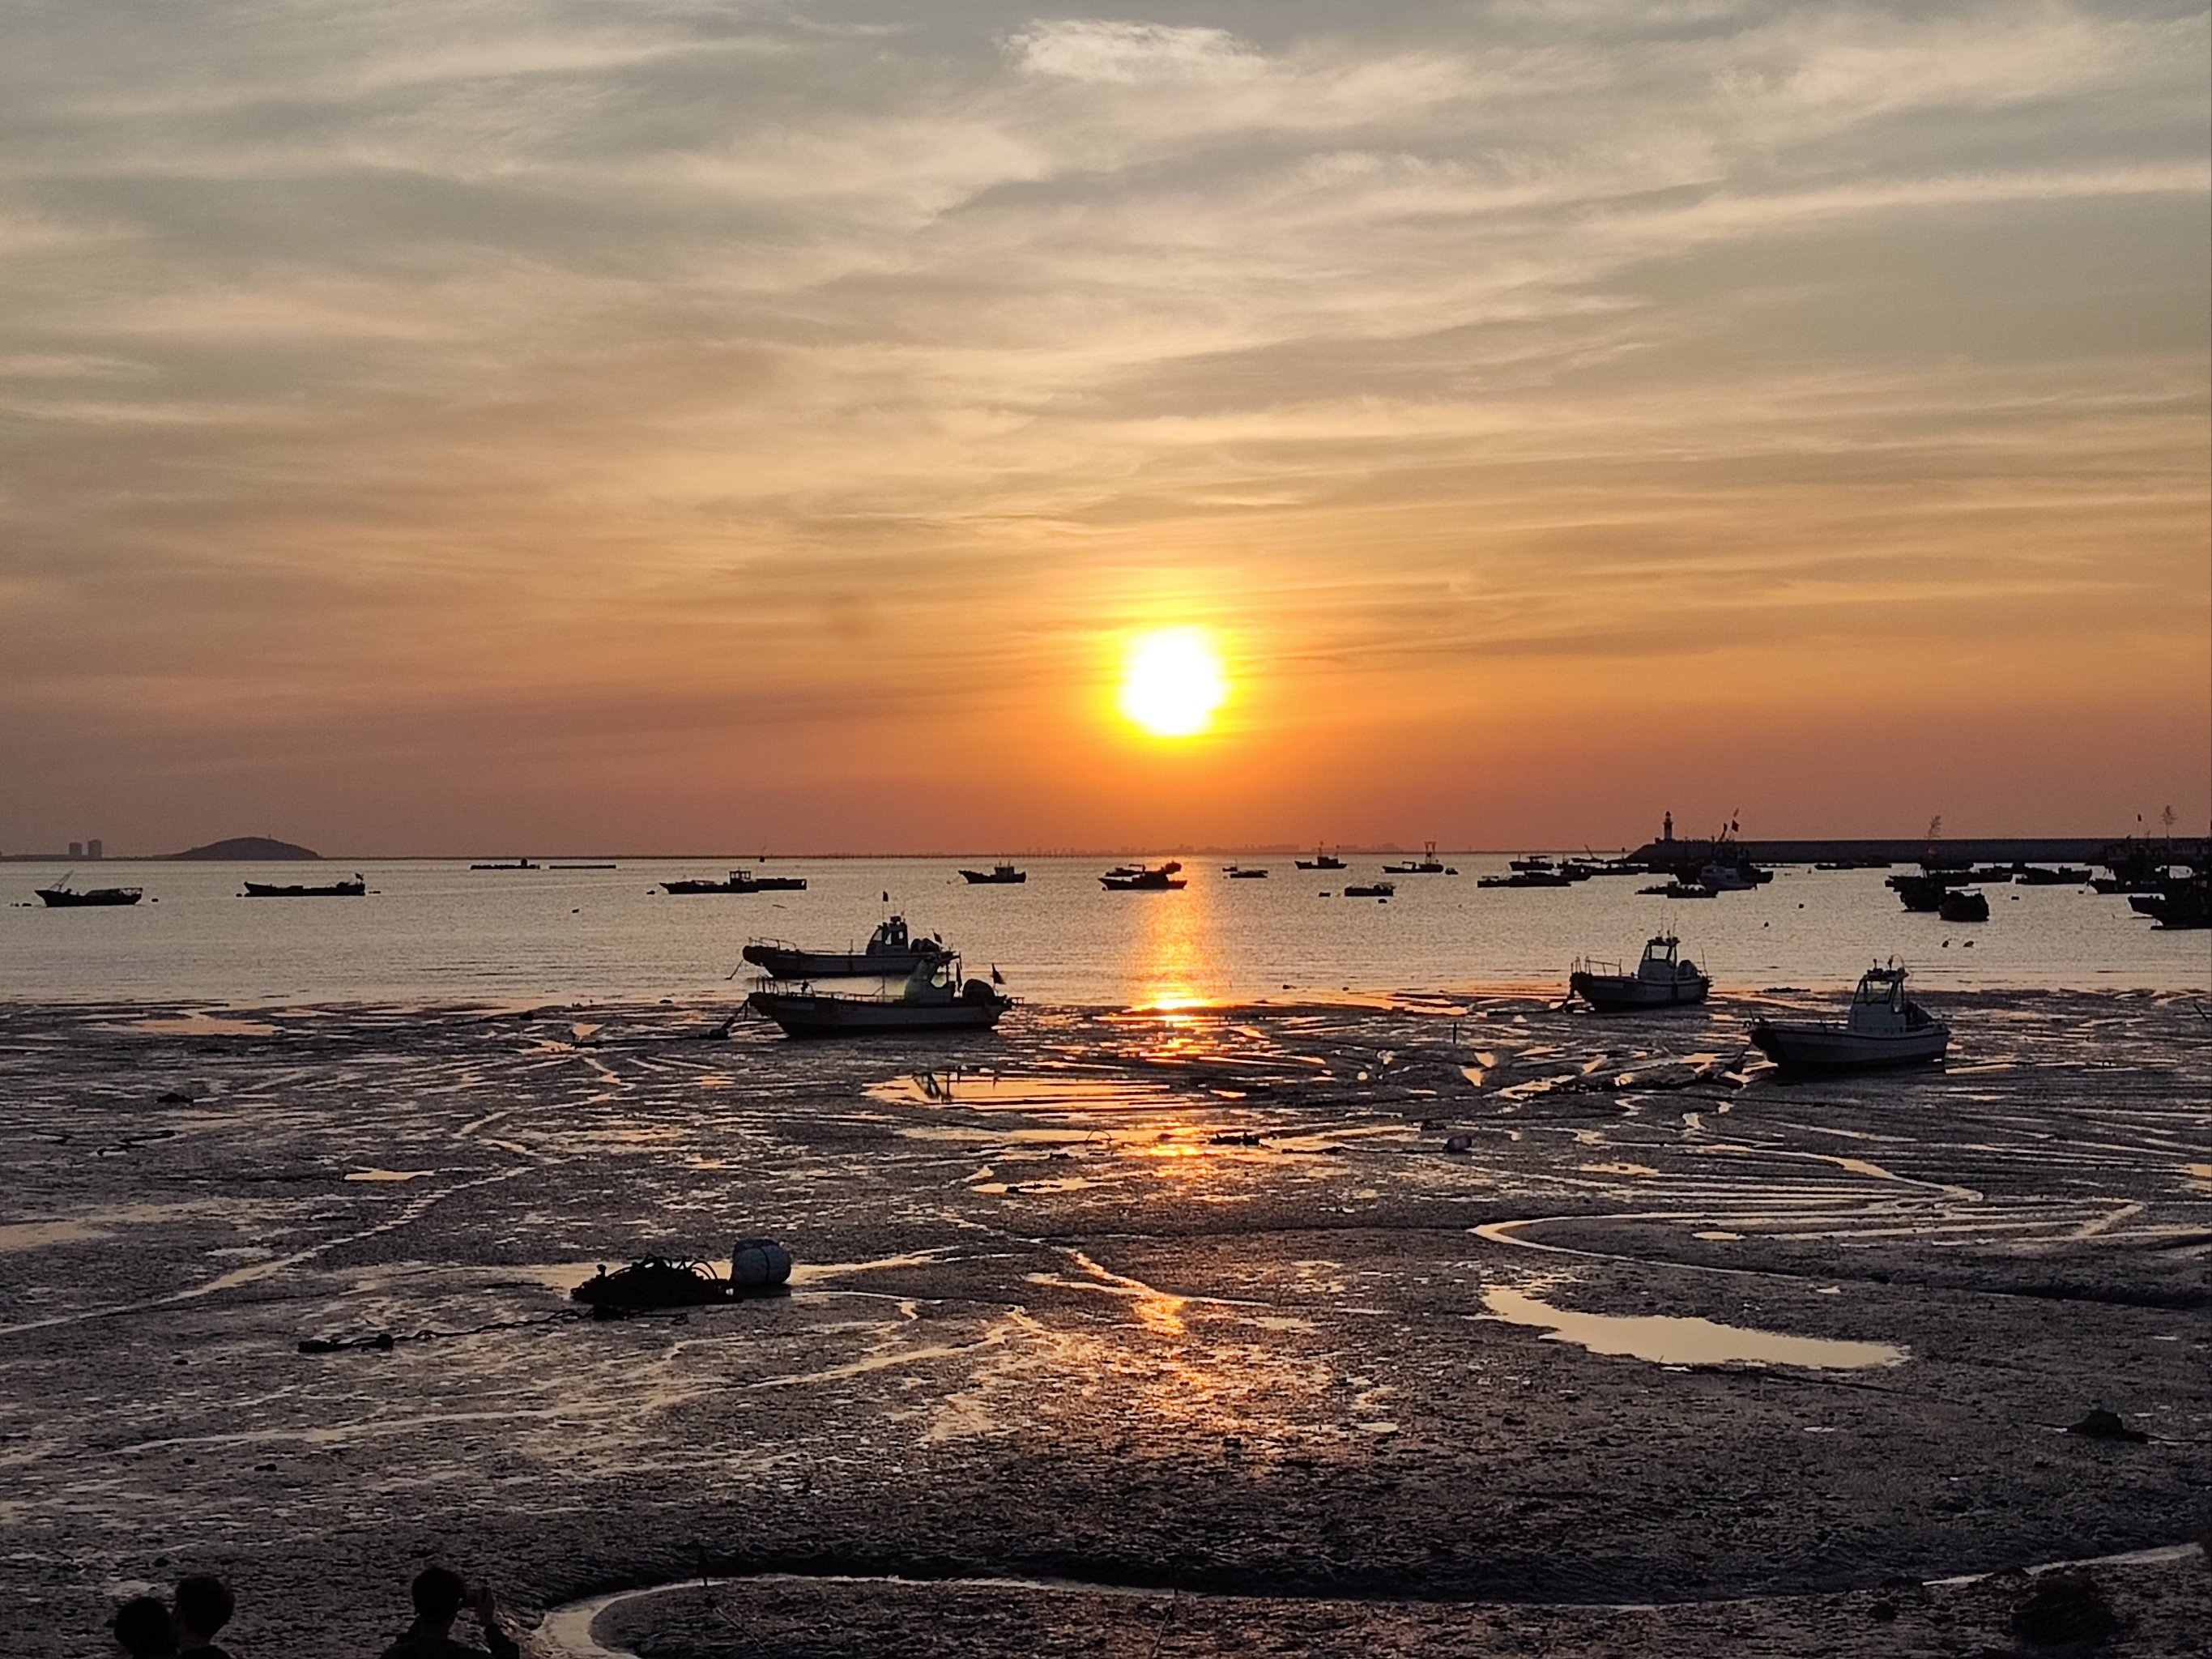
point(592, 427)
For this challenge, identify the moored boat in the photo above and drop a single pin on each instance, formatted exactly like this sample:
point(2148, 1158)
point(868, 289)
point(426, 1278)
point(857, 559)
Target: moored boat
point(1238, 872)
point(1321, 861)
point(1884, 1027)
point(891, 952)
point(999, 875)
point(932, 999)
point(62, 896)
point(1922, 892)
point(354, 889)
point(1143, 878)
point(2178, 904)
point(1427, 865)
point(740, 881)
point(1964, 904)
point(1373, 889)
point(1664, 979)
point(511, 864)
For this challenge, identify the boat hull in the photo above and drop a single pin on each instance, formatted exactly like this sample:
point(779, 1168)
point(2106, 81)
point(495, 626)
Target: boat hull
point(994, 878)
point(802, 1014)
point(1622, 993)
point(1833, 1048)
point(59, 899)
point(334, 889)
point(761, 884)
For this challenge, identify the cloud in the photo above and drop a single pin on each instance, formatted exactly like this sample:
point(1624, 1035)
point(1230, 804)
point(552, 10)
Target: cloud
point(1095, 50)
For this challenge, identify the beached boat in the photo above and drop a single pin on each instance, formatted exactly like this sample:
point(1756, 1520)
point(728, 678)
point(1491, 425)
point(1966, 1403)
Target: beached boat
point(62, 896)
point(932, 999)
point(1885, 1027)
point(1427, 865)
point(740, 881)
point(1321, 861)
point(999, 875)
point(1964, 904)
point(1664, 979)
point(1378, 890)
point(354, 889)
point(1143, 878)
point(891, 953)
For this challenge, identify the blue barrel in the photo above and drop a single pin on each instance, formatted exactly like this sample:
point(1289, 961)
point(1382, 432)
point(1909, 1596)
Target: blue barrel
point(758, 1264)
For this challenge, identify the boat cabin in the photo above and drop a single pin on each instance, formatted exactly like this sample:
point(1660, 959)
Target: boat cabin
point(1663, 961)
point(1881, 1005)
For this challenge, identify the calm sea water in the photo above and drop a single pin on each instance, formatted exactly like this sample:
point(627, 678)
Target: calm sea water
point(430, 932)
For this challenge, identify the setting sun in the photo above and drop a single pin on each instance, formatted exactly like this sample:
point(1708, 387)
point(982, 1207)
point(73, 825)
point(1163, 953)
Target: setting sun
point(1172, 682)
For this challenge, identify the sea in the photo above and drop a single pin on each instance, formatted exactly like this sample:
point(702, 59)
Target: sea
point(435, 931)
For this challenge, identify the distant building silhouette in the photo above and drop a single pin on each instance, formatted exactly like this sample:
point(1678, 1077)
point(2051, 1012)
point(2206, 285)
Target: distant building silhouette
point(77, 849)
point(93, 849)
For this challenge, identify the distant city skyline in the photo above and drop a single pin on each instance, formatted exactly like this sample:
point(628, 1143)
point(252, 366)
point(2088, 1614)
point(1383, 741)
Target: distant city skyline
point(568, 428)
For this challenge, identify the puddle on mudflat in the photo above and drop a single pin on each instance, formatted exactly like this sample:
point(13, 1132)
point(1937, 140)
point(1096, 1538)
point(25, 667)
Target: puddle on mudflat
point(1669, 1340)
point(40, 1235)
point(997, 1092)
point(203, 1025)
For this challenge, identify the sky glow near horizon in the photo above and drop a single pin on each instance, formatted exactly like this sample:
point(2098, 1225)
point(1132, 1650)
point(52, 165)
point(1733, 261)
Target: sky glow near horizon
point(481, 423)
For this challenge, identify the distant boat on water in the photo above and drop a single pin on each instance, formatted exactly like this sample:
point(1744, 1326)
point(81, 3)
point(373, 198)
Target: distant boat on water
point(1373, 889)
point(516, 864)
point(2184, 903)
point(1238, 872)
point(999, 875)
point(1964, 904)
point(1884, 1027)
point(1321, 861)
point(62, 896)
point(1143, 878)
point(354, 889)
point(1427, 865)
point(1532, 873)
point(739, 881)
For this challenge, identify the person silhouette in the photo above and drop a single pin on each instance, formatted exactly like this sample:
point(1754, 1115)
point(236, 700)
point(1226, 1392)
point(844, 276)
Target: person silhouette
point(439, 1593)
point(143, 1629)
point(204, 1605)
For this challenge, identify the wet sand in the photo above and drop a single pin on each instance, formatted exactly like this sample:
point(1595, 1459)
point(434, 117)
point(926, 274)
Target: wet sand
point(1193, 1315)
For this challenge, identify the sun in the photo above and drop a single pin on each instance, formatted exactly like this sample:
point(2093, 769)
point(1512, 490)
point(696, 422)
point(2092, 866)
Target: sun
point(1172, 682)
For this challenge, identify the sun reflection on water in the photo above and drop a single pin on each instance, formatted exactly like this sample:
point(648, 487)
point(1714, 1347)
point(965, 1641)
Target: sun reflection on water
point(1173, 968)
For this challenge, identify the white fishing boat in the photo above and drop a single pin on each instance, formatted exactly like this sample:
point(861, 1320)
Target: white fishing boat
point(1884, 1027)
point(1664, 979)
point(932, 999)
point(891, 952)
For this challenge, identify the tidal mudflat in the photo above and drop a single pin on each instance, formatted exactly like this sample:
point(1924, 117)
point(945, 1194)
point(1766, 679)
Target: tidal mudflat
point(1469, 1328)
